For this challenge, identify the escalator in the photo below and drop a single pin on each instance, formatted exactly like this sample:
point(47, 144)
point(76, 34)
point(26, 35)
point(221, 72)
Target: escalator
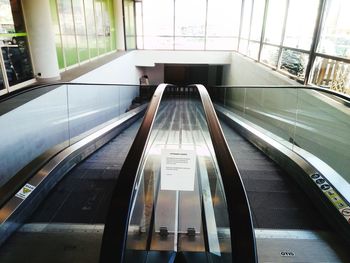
point(154, 227)
point(184, 201)
point(69, 222)
point(177, 197)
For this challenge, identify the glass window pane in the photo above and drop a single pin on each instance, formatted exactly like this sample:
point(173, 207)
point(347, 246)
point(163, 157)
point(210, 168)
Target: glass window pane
point(56, 30)
point(138, 18)
point(139, 25)
point(158, 17)
point(67, 31)
point(66, 17)
point(335, 36)
point(223, 17)
point(294, 62)
point(91, 27)
point(82, 48)
point(70, 49)
point(129, 24)
point(331, 73)
point(247, 11)
point(107, 24)
point(189, 43)
point(257, 19)
point(253, 50)
point(274, 22)
point(79, 19)
point(158, 43)
point(269, 55)
point(190, 18)
point(301, 23)
point(221, 43)
point(139, 42)
point(243, 45)
point(79, 16)
point(99, 27)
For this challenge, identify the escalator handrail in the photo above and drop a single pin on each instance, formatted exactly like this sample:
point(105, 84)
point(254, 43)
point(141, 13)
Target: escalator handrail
point(241, 227)
point(320, 89)
point(117, 220)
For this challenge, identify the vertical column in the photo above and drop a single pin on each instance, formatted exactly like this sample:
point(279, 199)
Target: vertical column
point(37, 15)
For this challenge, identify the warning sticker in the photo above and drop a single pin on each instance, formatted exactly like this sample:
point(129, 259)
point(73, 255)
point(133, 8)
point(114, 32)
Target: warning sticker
point(25, 191)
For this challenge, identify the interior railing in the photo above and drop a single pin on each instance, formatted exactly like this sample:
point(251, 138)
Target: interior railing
point(39, 122)
point(311, 119)
point(312, 123)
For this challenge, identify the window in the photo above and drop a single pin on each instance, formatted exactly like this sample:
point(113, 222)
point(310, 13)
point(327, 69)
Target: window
point(190, 24)
point(245, 32)
point(190, 17)
point(335, 36)
point(256, 28)
point(139, 25)
point(84, 29)
point(294, 62)
point(223, 18)
point(279, 35)
point(223, 22)
point(275, 21)
point(331, 67)
point(269, 55)
point(129, 21)
point(330, 73)
point(300, 23)
point(257, 20)
point(16, 62)
point(79, 20)
point(158, 24)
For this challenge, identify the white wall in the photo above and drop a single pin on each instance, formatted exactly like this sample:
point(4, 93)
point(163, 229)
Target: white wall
point(122, 70)
point(244, 71)
point(148, 58)
point(238, 70)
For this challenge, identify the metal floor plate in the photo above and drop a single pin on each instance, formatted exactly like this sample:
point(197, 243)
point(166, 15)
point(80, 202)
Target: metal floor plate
point(300, 246)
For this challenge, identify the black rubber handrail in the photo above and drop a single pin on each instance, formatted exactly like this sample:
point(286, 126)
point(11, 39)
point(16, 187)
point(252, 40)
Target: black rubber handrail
point(242, 234)
point(328, 91)
point(117, 221)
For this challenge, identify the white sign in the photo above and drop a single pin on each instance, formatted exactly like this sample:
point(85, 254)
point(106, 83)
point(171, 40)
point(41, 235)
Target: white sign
point(25, 191)
point(178, 169)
